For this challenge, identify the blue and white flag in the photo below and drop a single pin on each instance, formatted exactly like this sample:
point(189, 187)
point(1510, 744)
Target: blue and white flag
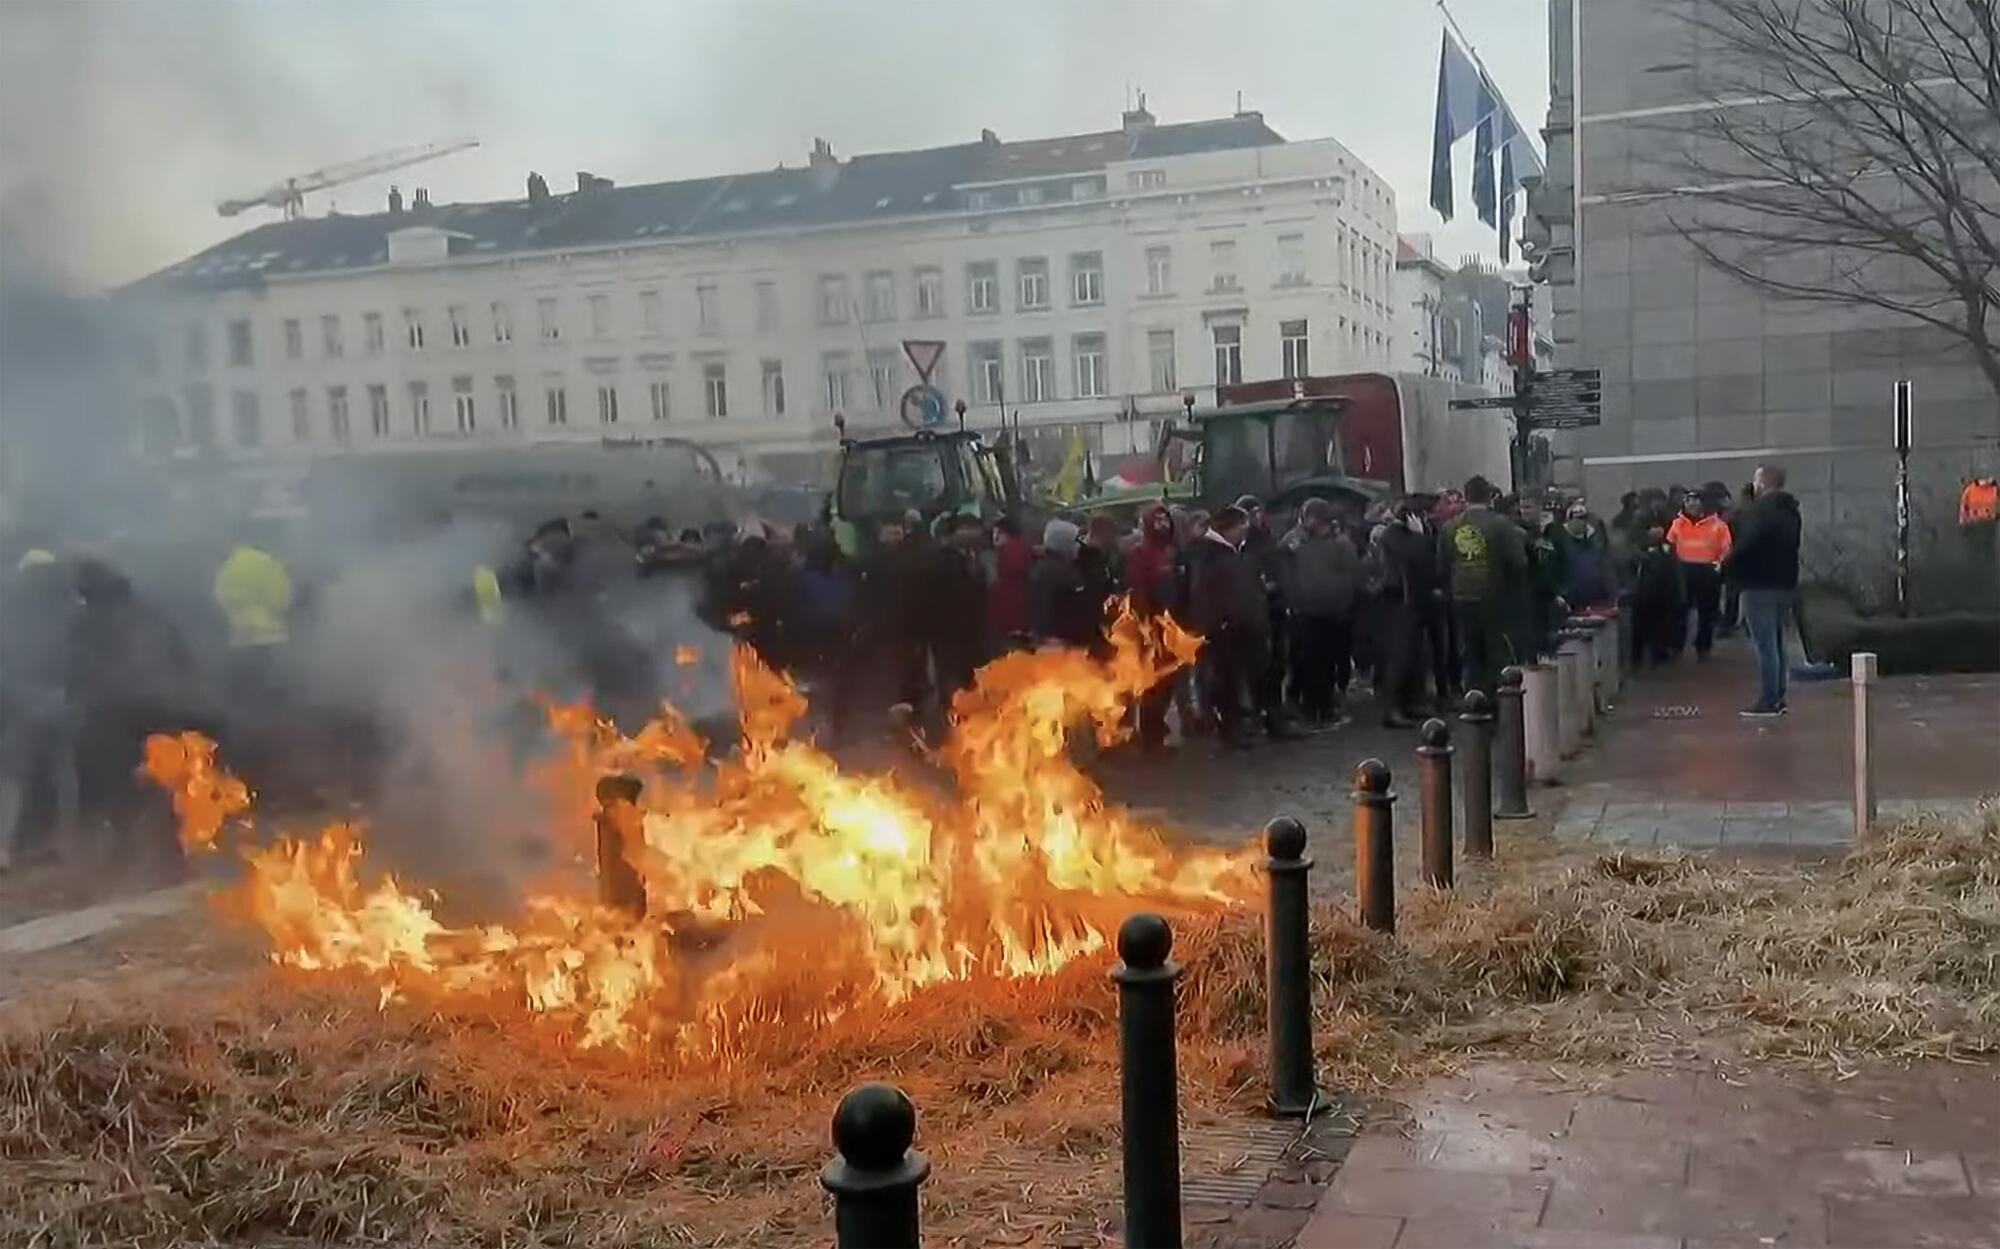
point(1469, 103)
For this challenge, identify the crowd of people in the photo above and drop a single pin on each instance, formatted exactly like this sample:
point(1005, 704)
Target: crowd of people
point(1417, 599)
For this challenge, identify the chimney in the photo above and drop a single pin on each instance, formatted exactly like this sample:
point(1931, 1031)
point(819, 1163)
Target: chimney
point(824, 164)
point(538, 188)
point(421, 199)
point(1137, 120)
point(587, 182)
point(989, 138)
point(395, 199)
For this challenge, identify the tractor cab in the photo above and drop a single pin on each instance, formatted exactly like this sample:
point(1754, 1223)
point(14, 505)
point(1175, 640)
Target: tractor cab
point(1282, 451)
point(934, 474)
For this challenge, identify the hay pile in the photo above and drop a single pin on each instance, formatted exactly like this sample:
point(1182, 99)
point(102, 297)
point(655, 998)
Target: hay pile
point(245, 1116)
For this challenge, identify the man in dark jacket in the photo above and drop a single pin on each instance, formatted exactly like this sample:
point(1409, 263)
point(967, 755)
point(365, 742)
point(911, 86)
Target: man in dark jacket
point(1487, 555)
point(1063, 606)
point(889, 615)
point(958, 606)
point(38, 713)
point(1764, 562)
point(1230, 611)
point(1322, 583)
point(1152, 580)
point(1412, 611)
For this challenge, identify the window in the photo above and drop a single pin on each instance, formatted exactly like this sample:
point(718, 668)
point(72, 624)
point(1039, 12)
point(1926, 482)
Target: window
point(930, 293)
point(248, 423)
point(774, 388)
point(413, 328)
point(420, 408)
point(1292, 347)
point(607, 404)
point(239, 343)
point(1222, 263)
point(372, 338)
point(1034, 281)
point(503, 322)
point(649, 312)
point(988, 375)
point(982, 287)
point(660, 395)
point(833, 370)
point(977, 200)
point(295, 340)
point(461, 405)
point(1031, 195)
point(1160, 373)
point(302, 430)
point(461, 327)
point(555, 403)
point(1088, 352)
point(162, 430)
point(1038, 370)
point(199, 401)
point(331, 342)
point(1086, 277)
point(378, 411)
point(197, 346)
point(599, 309)
point(1146, 179)
point(547, 321)
point(832, 300)
point(882, 377)
point(337, 422)
point(510, 402)
point(1292, 260)
point(881, 296)
point(1228, 355)
point(708, 308)
point(767, 306)
point(715, 389)
point(1159, 271)
point(1084, 188)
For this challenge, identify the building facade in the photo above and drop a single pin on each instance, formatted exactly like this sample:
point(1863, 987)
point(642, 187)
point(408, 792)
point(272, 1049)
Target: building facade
point(1704, 374)
point(1078, 281)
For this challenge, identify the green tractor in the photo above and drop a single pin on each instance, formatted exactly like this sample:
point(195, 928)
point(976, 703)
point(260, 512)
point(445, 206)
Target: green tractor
point(937, 474)
point(1284, 451)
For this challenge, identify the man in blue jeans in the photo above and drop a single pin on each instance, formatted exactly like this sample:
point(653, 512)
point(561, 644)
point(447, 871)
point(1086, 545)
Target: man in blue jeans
point(1764, 564)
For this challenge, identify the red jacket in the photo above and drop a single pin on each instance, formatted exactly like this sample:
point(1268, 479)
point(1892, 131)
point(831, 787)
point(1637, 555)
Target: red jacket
point(1149, 574)
point(1007, 605)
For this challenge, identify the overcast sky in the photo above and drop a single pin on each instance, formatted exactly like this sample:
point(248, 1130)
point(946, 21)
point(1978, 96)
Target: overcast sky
point(123, 121)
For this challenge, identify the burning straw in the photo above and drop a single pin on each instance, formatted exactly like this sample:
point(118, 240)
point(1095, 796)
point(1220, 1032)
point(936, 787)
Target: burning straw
point(253, 1117)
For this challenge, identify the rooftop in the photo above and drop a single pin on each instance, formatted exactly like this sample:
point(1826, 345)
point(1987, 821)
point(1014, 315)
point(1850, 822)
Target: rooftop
point(880, 186)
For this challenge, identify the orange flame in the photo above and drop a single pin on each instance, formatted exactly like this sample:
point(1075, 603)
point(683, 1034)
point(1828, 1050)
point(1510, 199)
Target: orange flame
point(777, 884)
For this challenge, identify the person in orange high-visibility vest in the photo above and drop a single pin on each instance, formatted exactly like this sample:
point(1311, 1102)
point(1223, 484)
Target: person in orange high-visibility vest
point(1979, 516)
point(1701, 543)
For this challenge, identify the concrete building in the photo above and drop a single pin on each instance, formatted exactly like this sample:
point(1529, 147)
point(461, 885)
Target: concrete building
point(1080, 281)
point(1705, 375)
point(1437, 329)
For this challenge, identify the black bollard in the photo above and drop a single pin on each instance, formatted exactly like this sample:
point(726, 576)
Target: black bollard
point(1476, 773)
point(1288, 971)
point(1510, 751)
point(1434, 799)
point(1374, 845)
point(875, 1176)
point(618, 821)
point(1145, 979)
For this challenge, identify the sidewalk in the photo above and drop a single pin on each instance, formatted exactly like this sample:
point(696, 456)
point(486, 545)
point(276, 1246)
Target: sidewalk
point(1509, 1157)
point(1679, 767)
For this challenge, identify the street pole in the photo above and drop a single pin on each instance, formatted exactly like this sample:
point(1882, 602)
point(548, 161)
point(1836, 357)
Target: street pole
point(1521, 354)
point(1904, 429)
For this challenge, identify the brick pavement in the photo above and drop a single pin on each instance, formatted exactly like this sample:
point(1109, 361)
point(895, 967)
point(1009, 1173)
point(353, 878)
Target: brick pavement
point(1509, 1157)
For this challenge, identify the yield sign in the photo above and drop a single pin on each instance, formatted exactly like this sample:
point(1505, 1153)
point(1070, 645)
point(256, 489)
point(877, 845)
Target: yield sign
point(923, 354)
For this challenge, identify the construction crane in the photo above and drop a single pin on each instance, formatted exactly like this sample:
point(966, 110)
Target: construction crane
point(289, 196)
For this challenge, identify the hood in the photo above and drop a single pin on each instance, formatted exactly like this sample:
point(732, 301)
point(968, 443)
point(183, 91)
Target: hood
point(1059, 537)
point(1783, 500)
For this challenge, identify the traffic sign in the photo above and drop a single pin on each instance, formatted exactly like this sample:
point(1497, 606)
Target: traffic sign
point(923, 354)
point(1567, 420)
point(1542, 387)
point(1483, 401)
point(1570, 375)
point(922, 406)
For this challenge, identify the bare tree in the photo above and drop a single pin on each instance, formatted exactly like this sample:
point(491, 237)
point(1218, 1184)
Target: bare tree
point(1854, 158)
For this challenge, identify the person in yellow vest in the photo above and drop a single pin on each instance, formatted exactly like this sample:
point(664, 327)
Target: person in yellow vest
point(255, 594)
point(486, 596)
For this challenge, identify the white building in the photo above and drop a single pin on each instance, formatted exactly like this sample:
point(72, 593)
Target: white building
point(1078, 280)
point(1431, 334)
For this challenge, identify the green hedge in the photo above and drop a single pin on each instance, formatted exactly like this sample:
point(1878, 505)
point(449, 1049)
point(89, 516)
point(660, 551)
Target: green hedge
point(1945, 642)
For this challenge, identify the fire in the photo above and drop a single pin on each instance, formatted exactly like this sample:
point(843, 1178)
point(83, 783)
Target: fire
point(777, 884)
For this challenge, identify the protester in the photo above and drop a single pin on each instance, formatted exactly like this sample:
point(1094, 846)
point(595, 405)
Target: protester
point(1007, 605)
point(1411, 600)
point(1701, 543)
point(1063, 603)
point(1153, 582)
point(1232, 612)
point(889, 626)
point(1765, 565)
point(1487, 555)
point(957, 622)
point(1588, 581)
point(37, 708)
point(1548, 568)
point(1659, 599)
point(1321, 575)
